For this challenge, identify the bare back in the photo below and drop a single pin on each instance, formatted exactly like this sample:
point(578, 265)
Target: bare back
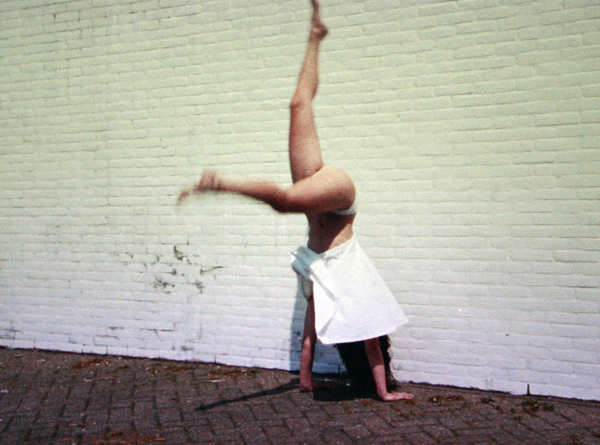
point(330, 190)
point(328, 230)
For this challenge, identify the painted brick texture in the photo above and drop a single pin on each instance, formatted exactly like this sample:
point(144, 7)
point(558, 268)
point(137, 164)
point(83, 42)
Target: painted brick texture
point(470, 128)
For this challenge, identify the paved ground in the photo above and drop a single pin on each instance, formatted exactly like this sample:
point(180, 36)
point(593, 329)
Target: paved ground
point(59, 398)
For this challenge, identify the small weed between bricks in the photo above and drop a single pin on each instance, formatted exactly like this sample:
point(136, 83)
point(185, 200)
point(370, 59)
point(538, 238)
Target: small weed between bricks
point(531, 405)
point(89, 364)
point(441, 400)
point(491, 402)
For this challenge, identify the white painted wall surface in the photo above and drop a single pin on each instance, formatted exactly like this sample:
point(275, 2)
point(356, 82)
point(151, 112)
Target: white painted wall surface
point(471, 128)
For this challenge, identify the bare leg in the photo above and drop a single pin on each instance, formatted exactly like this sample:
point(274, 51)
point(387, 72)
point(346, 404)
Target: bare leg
point(378, 368)
point(330, 189)
point(304, 149)
point(211, 181)
point(307, 355)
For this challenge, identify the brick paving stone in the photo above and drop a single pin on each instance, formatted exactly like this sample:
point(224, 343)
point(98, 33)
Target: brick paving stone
point(12, 438)
point(284, 408)
point(419, 438)
point(278, 434)
point(200, 434)
point(21, 422)
point(253, 434)
point(168, 414)
point(5, 419)
point(413, 425)
point(534, 423)
point(356, 431)
point(69, 430)
point(59, 398)
point(240, 414)
point(96, 421)
point(262, 410)
point(438, 431)
point(454, 422)
point(46, 419)
point(334, 436)
point(316, 418)
point(31, 402)
point(567, 436)
point(298, 426)
point(521, 433)
point(173, 436)
point(386, 439)
point(375, 424)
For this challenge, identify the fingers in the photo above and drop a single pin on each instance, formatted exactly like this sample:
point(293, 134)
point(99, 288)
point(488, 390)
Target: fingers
point(396, 396)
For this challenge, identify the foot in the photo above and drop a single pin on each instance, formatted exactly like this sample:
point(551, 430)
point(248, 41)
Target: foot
point(318, 29)
point(395, 396)
point(209, 182)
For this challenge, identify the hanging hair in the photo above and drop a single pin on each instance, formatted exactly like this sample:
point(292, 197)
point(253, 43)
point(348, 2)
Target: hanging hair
point(357, 364)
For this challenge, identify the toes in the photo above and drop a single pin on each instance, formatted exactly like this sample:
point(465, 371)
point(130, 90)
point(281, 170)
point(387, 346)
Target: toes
point(209, 181)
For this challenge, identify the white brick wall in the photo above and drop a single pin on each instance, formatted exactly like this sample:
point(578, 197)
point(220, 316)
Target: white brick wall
point(470, 127)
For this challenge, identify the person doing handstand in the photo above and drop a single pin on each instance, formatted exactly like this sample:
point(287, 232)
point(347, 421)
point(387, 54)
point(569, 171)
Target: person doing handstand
point(347, 300)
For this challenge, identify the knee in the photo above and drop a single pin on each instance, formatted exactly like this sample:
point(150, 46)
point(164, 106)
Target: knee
point(299, 101)
point(308, 344)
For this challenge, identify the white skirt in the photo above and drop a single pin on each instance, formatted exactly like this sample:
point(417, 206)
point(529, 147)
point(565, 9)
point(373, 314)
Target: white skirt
point(352, 302)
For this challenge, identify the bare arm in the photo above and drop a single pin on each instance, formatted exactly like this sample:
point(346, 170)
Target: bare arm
point(373, 350)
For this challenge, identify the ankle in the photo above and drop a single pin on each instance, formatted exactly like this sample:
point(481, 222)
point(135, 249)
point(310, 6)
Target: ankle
point(318, 31)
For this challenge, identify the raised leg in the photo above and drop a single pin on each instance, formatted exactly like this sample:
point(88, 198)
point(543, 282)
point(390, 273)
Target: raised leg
point(304, 149)
point(375, 357)
point(331, 189)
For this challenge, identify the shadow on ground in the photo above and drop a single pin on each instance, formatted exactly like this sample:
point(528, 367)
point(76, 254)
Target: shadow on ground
point(337, 390)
